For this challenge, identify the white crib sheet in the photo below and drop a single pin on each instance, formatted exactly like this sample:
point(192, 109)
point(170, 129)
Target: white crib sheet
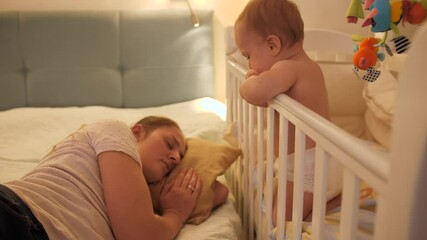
point(27, 134)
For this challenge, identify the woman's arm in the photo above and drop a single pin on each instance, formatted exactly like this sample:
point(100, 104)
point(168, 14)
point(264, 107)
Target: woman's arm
point(128, 200)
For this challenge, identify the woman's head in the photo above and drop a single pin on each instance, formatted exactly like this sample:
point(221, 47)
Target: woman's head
point(152, 123)
point(273, 17)
point(161, 146)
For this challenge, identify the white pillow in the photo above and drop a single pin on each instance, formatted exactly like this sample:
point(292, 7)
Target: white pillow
point(380, 97)
point(346, 104)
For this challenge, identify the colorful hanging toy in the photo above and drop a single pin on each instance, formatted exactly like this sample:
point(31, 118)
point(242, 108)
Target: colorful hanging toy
point(366, 58)
point(382, 16)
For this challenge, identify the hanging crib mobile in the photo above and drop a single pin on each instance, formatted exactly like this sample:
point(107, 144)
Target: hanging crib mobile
point(383, 16)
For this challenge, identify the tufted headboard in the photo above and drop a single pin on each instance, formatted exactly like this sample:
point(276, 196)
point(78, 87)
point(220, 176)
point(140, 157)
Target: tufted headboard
point(111, 58)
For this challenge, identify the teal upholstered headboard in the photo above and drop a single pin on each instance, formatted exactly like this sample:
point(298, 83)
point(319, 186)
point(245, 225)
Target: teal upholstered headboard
point(111, 58)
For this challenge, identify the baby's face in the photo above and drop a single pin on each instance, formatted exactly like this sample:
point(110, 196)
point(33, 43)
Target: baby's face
point(254, 47)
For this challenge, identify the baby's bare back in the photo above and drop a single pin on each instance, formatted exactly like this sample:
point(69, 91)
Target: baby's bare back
point(309, 89)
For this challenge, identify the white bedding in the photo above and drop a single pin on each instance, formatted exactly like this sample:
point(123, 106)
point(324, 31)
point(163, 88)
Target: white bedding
point(27, 134)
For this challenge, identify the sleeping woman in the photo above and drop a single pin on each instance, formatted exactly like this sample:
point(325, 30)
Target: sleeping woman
point(94, 185)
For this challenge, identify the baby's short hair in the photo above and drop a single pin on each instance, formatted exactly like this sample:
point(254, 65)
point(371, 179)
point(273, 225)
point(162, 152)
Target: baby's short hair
point(274, 17)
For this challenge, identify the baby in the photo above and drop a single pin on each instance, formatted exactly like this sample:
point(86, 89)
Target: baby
point(270, 33)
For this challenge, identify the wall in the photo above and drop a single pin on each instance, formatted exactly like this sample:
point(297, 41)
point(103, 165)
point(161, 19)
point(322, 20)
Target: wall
point(225, 13)
point(332, 15)
point(90, 4)
point(316, 14)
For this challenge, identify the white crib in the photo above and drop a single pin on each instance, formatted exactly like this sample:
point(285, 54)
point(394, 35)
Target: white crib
point(396, 176)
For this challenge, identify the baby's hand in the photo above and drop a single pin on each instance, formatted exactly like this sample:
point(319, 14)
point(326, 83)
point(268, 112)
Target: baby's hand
point(251, 73)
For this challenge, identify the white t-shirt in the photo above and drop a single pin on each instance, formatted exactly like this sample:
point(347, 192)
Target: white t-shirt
point(65, 190)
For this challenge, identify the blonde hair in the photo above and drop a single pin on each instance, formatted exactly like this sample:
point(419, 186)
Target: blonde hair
point(152, 123)
point(274, 17)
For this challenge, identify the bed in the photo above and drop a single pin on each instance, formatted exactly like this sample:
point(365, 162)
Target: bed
point(377, 133)
point(62, 69)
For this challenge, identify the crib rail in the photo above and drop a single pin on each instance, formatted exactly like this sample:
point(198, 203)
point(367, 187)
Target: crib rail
point(253, 179)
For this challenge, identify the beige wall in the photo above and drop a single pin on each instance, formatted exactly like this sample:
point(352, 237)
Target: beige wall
point(324, 14)
point(90, 4)
point(226, 13)
point(332, 15)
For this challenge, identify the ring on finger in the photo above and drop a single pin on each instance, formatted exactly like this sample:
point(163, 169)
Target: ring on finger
point(191, 187)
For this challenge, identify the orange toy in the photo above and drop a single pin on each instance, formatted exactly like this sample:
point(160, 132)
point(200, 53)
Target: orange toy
point(366, 55)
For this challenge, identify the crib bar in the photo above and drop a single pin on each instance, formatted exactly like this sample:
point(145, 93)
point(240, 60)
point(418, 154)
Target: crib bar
point(282, 182)
point(251, 191)
point(380, 230)
point(245, 179)
point(260, 168)
point(229, 93)
point(269, 168)
point(240, 163)
point(350, 205)
point(237, 74)
point(233, 103)
point(298, 183)
point(319, 201)
point(231, 120)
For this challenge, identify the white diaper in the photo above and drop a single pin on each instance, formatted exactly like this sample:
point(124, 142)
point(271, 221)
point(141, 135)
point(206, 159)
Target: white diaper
point(334, 171)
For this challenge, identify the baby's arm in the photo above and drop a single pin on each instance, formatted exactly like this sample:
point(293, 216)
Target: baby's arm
point(258, 89)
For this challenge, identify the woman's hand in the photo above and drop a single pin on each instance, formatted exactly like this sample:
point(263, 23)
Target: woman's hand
point(179, 196)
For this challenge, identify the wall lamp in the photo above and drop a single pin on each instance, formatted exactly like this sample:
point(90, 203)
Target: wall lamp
point(194, 18)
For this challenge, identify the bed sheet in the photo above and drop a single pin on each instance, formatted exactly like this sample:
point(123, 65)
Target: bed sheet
point(220, 225)
point(27, 134)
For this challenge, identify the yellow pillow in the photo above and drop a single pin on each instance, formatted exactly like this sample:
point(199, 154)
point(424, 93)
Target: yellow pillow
point(209, 160)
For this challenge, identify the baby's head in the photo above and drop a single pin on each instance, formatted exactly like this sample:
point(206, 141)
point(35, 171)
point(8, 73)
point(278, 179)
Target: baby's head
point(273, 17)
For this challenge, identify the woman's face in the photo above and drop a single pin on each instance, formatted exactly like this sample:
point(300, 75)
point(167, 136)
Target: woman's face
point(160, 151)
